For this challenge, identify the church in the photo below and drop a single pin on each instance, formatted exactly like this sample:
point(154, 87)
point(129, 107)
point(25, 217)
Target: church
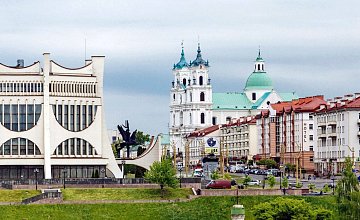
point(194, 106)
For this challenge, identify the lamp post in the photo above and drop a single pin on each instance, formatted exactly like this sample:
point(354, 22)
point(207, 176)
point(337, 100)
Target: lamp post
point(102, 170)
point(64, 175)
point(333, 183)
point(123, 167)
point(180, 168)
point(36, 171)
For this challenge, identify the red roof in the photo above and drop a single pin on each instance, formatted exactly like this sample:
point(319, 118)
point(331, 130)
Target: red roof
point(205, 131)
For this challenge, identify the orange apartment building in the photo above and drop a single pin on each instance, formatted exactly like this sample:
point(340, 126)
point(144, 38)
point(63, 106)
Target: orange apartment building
point(286, 132)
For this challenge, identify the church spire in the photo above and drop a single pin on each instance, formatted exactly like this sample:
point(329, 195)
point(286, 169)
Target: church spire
point(259, 63)
point(182, 62)
point(199, 60)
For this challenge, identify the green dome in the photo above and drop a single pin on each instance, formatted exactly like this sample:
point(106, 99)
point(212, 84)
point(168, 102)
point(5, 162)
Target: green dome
point(259, 80)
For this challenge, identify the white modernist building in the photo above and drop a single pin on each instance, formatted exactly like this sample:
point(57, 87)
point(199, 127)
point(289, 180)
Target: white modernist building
point(52, 119)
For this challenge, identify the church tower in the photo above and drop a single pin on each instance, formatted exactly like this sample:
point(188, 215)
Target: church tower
point(190, 99)
point(258, 82)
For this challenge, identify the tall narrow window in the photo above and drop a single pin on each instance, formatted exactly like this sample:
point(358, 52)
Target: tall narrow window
point(253, 96)
point(190, 119)
point(201, 81)
point(202, 97)
point(214, 120)
point(184, 82)
point(181, 118)
point(202, 118)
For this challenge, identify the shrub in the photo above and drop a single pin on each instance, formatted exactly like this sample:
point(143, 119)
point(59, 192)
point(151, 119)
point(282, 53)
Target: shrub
point(285, 183)
point(215, 175)
point(246, 180)
point(311, 186)
point(271, 181)
point(298, 185)
point(326, 188)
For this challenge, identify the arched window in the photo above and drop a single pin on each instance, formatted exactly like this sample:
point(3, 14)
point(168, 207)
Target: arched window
point(258, 66)
point(228, 120)
point(174, 97)
point(253, 96)
point(202, 118)
point(181, 119)
point(184, 82)
point(201, 81)
point(214, 120)
point(202, 97)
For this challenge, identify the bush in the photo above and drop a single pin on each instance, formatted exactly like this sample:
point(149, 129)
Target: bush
point(227, 176)
point(215, 175)
point(246, 180)
point(326, 188)
point(311, 186)
point(271, 181)
point(285, 183)
point(286, 208)
point(298, 185)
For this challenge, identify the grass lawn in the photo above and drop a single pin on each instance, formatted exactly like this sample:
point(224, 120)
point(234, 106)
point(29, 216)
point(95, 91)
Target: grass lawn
point(202, 208)
point(123, 194)
point(16, 195)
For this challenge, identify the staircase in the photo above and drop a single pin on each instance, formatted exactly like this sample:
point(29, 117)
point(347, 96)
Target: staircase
point(52, 194)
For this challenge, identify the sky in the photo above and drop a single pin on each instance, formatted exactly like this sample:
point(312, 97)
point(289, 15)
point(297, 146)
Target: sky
point(310, 47)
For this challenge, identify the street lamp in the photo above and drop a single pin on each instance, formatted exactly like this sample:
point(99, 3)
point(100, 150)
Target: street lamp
point(333, 183)
point(123, 167)
point(180, 168)
point(36, 171)
point(64, 175)
point(102, 170)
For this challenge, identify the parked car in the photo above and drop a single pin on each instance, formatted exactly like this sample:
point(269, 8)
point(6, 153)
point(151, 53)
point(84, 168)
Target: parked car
point(254, 183)
point(219, 184)
point(198, 173)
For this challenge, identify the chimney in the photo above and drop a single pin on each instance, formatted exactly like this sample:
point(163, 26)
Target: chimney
point(357, 95)
point(20, 63)
point(322, 106)
point(332, 104)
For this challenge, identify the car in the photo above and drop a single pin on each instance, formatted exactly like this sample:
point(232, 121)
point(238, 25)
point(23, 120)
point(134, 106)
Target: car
point(198, 173)
point(254, 183)
point(219, 184)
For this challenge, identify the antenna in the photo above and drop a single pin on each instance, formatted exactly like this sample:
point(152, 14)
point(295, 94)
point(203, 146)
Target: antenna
point(85, 50)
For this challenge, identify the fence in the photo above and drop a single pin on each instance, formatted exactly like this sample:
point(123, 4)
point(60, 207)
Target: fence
point(41, 196)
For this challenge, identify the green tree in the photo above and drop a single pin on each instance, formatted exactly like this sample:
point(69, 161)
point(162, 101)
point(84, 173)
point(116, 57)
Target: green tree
point(141, 138)
point(162, 173)
point(285, 183)
point(271, 181)
point(347, 193)
point(215, 175)
point(287, 209)
point(326, 188)
point(269, 163)
point(290, 168)
point(311, 187)
point(246, 180)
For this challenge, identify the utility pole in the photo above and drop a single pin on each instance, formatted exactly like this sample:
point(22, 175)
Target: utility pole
point(187, 156)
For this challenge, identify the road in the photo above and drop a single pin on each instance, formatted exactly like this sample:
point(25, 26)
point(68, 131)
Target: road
point(319, 183)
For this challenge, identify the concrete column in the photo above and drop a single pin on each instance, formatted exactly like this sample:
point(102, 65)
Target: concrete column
point(46, 115)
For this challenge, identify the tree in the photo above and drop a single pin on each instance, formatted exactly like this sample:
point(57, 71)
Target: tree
point(347, 193)
point(162, 173)
point(141, 138)
point(271, 181)
point(246, 180)
point(215, 175)
point(290, 168)
point(286, 208)
point(285, 183)
point(269, 163)
point(311, 187)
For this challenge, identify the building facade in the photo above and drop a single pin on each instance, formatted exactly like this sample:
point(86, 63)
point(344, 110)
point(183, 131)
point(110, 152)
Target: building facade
point(286, 132)
point(240, 139)
point(52, 119)
point(338, 134)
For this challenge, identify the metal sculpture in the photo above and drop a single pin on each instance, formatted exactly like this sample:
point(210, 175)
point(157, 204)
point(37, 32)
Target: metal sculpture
point(128, 138)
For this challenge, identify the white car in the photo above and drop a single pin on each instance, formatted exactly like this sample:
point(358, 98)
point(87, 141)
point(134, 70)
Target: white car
point(254, 183)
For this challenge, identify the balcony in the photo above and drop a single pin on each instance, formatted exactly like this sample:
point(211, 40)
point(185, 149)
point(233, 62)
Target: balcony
point(331, 132)
point(332, 122)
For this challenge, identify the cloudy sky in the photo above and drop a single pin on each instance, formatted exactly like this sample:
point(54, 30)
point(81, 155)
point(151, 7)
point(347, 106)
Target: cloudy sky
point(311, 47)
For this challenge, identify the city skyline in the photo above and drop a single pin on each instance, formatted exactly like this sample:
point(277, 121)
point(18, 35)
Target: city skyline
point(308, 48)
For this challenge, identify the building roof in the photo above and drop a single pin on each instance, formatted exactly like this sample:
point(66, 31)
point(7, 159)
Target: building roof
point(182, 62)
point(230, 100)
point(307, 104)
point(205, 131)
point(259, 80)
point(260, 100)
point(288, 96)
point(165, 139)
point(199, 60)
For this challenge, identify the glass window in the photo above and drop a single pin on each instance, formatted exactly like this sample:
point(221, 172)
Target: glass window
point(59, 115)
point(78, 146)
point(7, 147)
point(202, 97)
point(37, 112)
point(77, 127)
point(202, 118)
point(72, 146)
point(30, 116)
point(60, 149)
point(66, 114)
point(15, 147)
point(72, 117)
point(22, 114)
point(23, 146)
point(30, 148)
point(84, 152)
point(90, 114)
point(83, 121)
point(14, 117)
point(66, 147)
